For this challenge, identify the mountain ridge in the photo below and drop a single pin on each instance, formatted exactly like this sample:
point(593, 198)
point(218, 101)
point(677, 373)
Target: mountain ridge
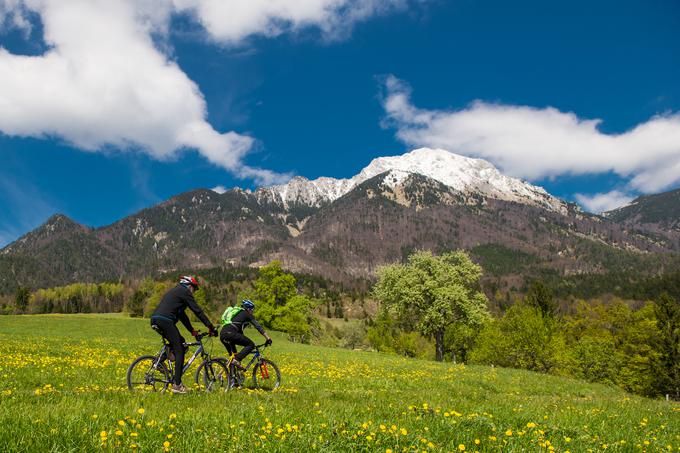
point(378, 221)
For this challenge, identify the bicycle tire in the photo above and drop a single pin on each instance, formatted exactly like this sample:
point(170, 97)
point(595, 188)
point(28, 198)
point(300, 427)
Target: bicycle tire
point(150, 378)
point(212, 375)
point(266, 375)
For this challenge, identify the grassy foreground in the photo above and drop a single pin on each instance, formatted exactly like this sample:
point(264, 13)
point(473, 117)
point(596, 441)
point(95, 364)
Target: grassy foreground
point(63, 380)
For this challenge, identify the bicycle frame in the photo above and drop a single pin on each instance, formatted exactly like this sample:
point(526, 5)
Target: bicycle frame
point(166, 347)
point(256, 357)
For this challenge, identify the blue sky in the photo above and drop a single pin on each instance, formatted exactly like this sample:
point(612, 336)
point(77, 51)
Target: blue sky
point(113, 109)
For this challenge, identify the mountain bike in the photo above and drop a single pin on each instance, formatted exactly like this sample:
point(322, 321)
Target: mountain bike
point(265, 374)
point(154, 372)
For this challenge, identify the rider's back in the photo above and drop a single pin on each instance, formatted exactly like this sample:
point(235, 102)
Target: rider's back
point(174, 302)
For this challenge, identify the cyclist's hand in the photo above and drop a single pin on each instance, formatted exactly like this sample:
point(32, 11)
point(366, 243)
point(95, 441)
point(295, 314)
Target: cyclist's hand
point(268, 342)
point(213, 332)
point(194, 333)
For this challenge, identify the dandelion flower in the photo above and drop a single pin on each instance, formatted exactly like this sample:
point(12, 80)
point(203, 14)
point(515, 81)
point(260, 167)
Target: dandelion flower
point(461, 447)
point(140, 411)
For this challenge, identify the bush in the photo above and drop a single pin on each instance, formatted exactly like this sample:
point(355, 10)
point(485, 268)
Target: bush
point(523, 338)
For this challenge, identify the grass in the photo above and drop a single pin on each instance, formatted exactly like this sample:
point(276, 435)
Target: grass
point(63, 390)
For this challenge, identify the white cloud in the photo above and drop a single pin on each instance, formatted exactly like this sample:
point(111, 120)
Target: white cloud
point(232, 21)
point(535, 143)
point(602, 202)
point(105, 82)
point(219, 189)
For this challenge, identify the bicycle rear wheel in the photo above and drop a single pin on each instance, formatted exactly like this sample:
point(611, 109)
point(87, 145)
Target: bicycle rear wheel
point(212, 376)
point(144, 376)
point(266, 375)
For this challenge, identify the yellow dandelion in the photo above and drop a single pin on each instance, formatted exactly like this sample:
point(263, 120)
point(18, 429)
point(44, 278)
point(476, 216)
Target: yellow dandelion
point(166, 444)
point(140, 411)
point(477, 441)
point(119, 432)
point(173, 416)
point(508, 432)
point(531, 425)
point(461, 447)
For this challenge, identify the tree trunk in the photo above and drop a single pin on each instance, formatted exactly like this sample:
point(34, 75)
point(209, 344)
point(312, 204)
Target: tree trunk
point(439, 345)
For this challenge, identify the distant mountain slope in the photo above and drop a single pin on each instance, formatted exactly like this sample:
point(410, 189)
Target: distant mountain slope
point(661, 210)
point(344, 231)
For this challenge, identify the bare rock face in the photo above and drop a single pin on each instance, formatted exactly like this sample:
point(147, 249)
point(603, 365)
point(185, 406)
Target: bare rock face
point(344, 229)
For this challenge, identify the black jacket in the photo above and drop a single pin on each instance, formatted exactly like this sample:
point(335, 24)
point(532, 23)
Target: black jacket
point(174, 303)
point(242, 319)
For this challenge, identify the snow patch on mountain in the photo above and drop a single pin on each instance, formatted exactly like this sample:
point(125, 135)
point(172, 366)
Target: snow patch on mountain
point(462, 173)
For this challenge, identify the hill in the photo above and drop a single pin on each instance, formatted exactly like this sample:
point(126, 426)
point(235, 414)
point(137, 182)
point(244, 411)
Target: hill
point(63, 390)
point(658, 211)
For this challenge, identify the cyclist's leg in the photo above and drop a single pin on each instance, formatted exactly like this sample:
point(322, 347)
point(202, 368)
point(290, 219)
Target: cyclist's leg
point(247, 343)
point(171, 333)
point(225, 338)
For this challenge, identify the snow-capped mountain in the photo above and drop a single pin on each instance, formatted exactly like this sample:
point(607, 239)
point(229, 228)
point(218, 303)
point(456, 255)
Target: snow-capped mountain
point(463, 174)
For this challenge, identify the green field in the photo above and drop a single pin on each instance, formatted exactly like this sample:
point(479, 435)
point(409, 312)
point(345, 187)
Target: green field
point(63, 380)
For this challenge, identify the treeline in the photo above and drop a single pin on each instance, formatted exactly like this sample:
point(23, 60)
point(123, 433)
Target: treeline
point(75, 298)
point(632, 346)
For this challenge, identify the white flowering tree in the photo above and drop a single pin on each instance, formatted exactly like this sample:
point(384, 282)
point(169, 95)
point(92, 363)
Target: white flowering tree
point(433, 292)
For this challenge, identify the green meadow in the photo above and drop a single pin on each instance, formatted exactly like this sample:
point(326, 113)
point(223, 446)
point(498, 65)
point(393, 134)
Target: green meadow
point(63, 389)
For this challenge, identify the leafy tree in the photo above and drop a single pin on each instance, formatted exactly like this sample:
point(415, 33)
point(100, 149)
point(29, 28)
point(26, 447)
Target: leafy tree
point(612, 344)
point(433, 292)
point(667, 366)
point(279, 306)
point(22, 297)
point(541, 297)
point(135, 305)
point(523, 338)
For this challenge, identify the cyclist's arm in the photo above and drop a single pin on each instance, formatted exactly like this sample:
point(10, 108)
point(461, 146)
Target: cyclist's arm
point(259, 328)
point(185, 320)
point(191, 302)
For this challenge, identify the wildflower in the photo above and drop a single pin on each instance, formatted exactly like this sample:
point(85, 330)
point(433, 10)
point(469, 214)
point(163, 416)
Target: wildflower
point(531, 425)
point(119, 432)
point(173, 416)
point(508, 433)
point(403, 431)
point(140, 411)
point(461, 447)
point(477, 441)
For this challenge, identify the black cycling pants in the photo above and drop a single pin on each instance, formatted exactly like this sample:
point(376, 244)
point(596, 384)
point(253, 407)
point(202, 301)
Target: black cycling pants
point(230, 337)
point(169, 331)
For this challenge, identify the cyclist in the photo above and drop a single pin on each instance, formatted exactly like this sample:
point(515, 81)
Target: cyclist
point(169, 311)
point(232, 332)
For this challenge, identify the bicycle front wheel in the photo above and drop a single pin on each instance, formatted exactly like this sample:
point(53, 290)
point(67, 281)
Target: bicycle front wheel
point(145, 376)
point(266, 375)
point(212, 376)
